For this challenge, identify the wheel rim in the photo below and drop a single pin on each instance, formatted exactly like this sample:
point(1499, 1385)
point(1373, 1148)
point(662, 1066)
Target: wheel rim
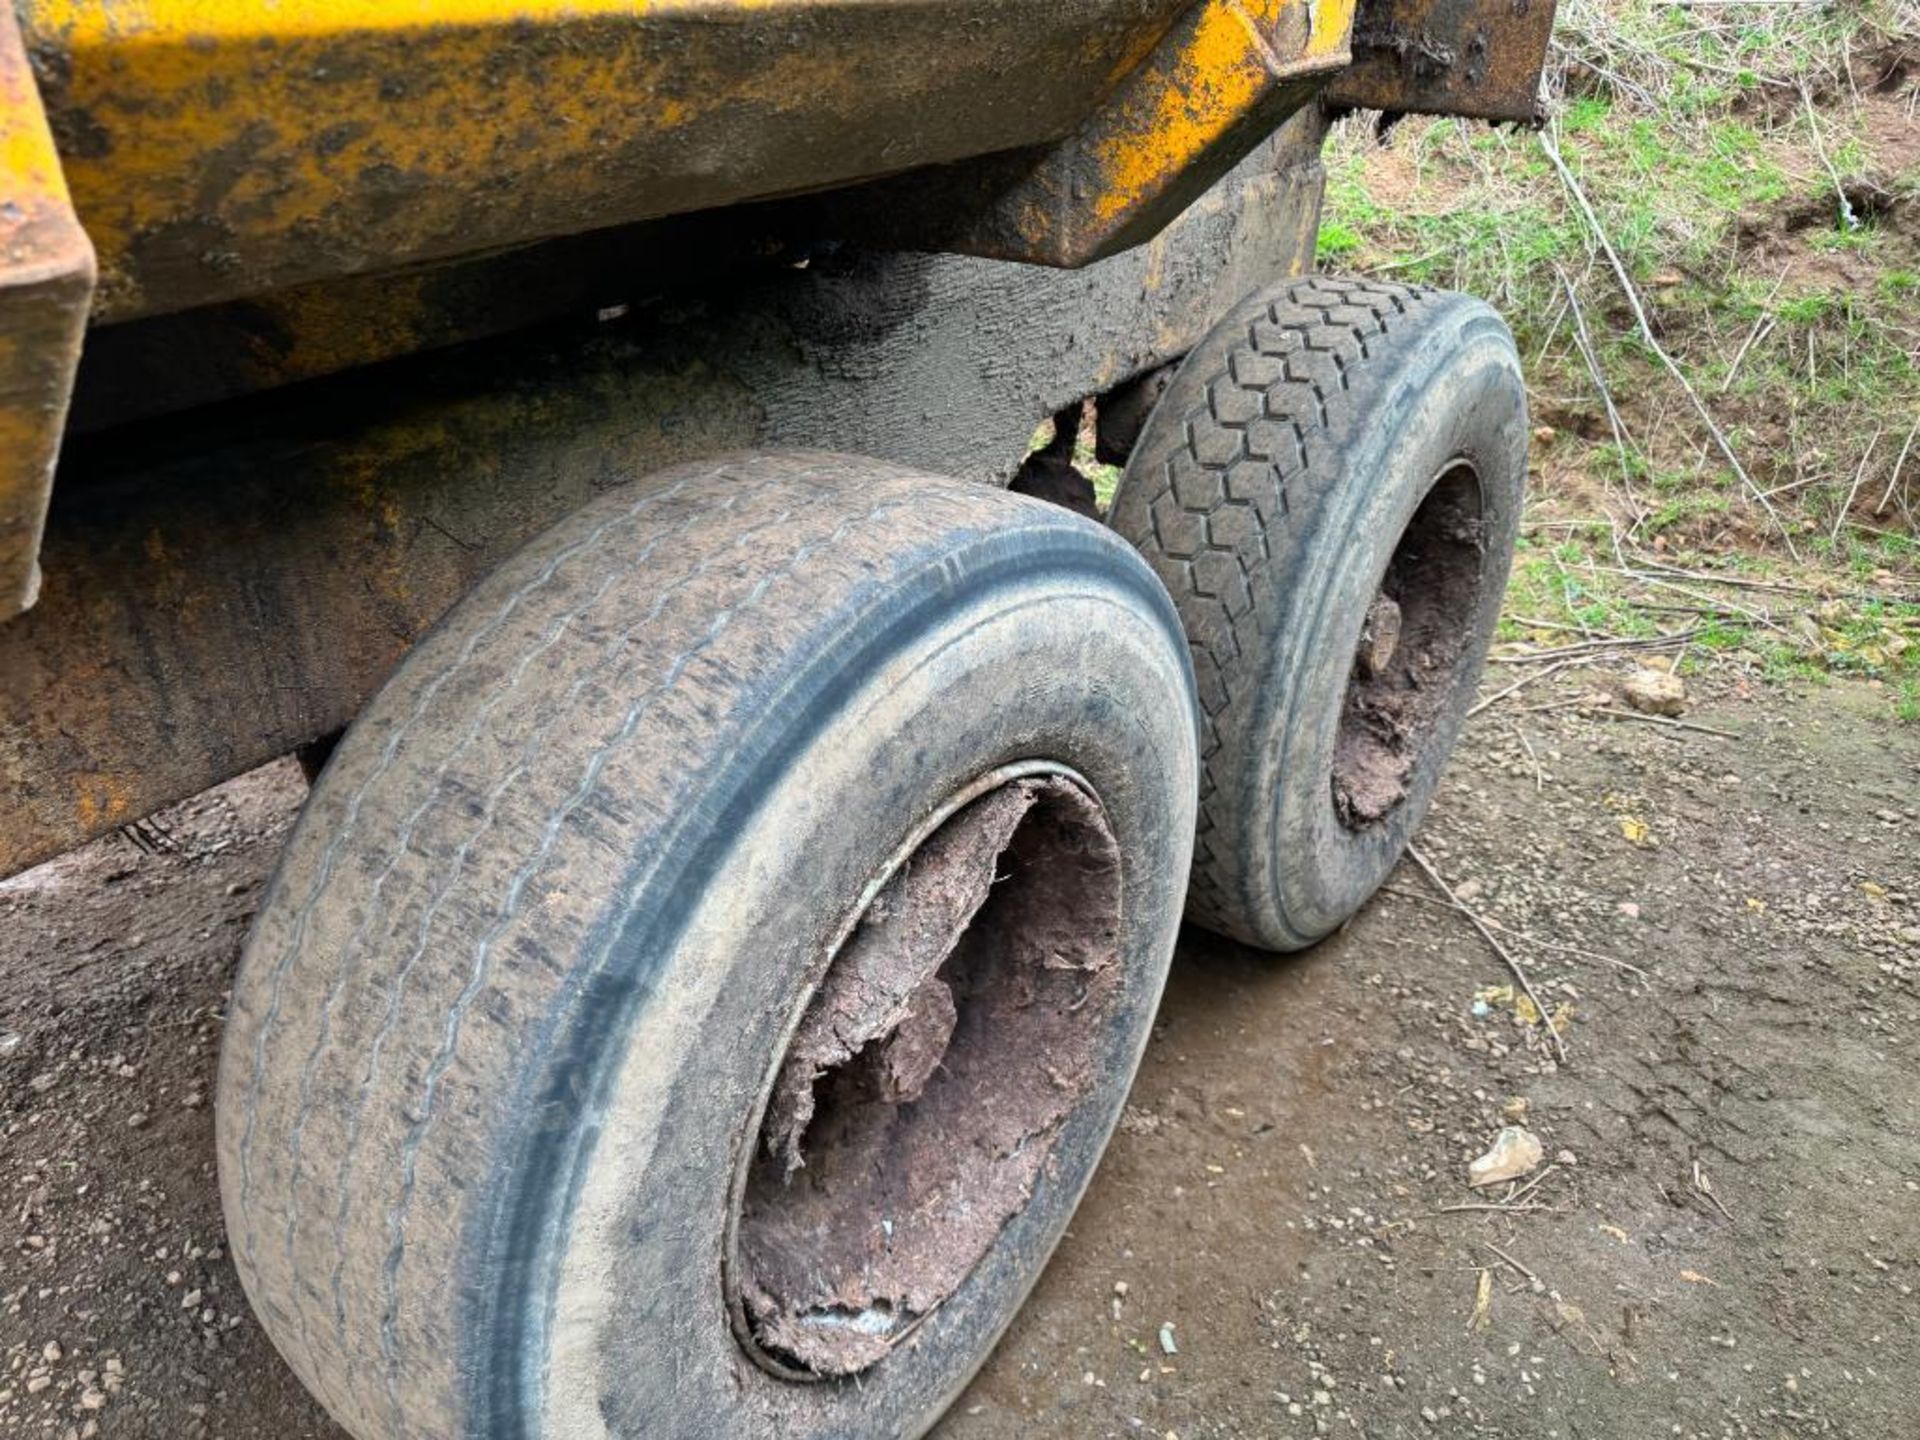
point(1413, 644)
point(927, 1076)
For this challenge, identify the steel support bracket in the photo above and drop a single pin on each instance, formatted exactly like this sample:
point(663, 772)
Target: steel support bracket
point(1480, 59)
point(1226, 75)
point(46, 285)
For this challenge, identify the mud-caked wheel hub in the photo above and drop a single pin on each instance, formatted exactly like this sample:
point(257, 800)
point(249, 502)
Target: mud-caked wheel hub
point(1416, 632)
point(954, 1031)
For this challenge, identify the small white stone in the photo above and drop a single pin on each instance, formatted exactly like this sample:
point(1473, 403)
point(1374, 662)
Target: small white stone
point(1515, 1152)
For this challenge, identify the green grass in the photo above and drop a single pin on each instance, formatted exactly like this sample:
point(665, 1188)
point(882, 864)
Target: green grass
point(1688, 135)
point(1334, 241)
point(1687, 131)
point(1906, 701)
point(1565, 588)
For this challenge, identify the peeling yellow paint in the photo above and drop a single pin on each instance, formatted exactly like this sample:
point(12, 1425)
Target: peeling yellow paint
point(1331, 27)
point(235, 147)
point(46, 277)
point(1233, 54)
point(29, 164)
point(1217, 76)
point(235, 19)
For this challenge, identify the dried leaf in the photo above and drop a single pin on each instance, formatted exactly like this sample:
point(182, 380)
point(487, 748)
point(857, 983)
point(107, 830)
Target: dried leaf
point(1482, 1302)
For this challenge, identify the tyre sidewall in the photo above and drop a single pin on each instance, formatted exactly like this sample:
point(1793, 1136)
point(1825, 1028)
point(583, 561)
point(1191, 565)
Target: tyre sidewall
point(1051, 644)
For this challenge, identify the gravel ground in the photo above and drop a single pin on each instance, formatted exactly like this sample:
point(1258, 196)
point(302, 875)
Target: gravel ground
point(1722, 1238)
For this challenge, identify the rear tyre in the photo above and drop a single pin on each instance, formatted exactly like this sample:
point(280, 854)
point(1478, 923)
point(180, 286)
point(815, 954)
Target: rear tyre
point(702, 982)
point(1330, 488)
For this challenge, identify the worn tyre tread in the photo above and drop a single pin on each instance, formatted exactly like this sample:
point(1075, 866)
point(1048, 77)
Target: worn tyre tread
point(359, 1181)
point(398, 969)
point(1214, 505)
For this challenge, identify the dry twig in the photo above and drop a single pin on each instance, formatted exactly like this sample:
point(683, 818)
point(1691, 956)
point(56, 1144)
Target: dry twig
point(1859, 473)
point(1481, 1207)
point(1584, 343)
point(1704, 1187)
point(1850, 220)
point(1763, 322)
point(1603, 645)
point(1646, 333)
point(1898, 466)
point(1523, 936)
point(1539, 775)
point(1532, 1185)
point(1745, 582)
point(1513, 1204)
point(1520, 684)
point(1482, 1301)
point(1518, 1267)
point(1607, 713)
point(1507, 957)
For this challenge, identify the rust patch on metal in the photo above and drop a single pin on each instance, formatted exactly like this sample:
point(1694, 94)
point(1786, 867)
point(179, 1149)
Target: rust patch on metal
point(1411, 643)
point(46, 279)
point(1476, 58)
point(953, 1034)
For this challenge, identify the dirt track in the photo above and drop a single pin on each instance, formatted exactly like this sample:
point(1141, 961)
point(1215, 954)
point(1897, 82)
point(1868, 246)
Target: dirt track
point(1726, 1242)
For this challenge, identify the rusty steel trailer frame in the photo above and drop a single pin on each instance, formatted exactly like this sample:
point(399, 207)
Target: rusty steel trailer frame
point(502, 285)
point(214, 600)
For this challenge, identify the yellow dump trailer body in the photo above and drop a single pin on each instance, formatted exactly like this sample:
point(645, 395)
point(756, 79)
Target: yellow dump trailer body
point(206, 200)
point(217, 150)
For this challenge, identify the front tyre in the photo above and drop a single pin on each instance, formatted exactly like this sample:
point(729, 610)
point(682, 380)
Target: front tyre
point(703, 981)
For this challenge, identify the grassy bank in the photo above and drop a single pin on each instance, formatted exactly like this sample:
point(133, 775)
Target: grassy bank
point(1711, 259)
